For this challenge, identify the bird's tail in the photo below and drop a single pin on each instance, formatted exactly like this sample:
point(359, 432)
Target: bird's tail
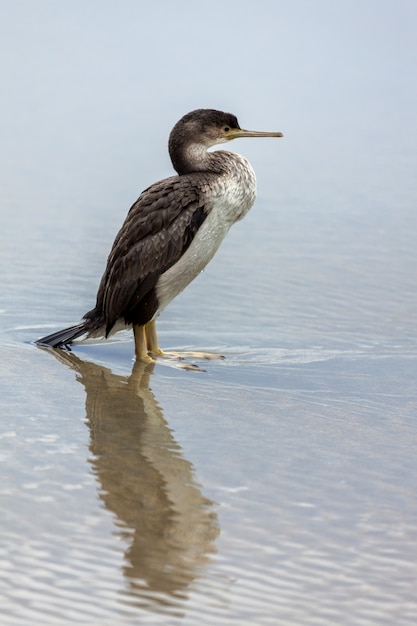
point(63, 337)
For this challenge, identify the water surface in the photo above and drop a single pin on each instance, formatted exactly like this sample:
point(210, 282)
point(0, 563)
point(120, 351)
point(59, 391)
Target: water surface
point(278, 486)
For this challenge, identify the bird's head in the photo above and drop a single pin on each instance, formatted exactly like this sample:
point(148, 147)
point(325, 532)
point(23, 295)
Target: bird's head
point(203, 128)
point(210, 127)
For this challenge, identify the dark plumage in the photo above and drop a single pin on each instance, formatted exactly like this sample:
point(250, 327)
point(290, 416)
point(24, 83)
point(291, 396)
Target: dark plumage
point(171, 232)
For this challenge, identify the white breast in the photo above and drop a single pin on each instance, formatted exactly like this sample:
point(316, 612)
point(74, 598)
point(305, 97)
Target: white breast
point(227, 203)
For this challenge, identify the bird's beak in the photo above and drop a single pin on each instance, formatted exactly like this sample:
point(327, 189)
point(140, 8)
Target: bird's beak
point(235, 133)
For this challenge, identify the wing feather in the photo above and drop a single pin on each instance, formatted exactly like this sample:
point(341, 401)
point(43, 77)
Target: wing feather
point(158, 229)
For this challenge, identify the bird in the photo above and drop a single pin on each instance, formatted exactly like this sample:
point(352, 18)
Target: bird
point(171, 232)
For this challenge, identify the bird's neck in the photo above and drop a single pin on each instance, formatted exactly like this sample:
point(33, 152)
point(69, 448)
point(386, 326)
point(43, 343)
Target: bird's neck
point(194, 157)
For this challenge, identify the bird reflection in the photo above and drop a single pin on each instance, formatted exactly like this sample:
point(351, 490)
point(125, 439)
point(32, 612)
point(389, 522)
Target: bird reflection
point(144, 480)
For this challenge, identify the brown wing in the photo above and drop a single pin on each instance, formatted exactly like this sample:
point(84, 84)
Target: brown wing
point(158, 229)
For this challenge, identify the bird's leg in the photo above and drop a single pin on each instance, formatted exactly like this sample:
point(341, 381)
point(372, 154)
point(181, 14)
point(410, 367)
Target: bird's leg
point(141, 350)
point(152, 339)
point(146, 344)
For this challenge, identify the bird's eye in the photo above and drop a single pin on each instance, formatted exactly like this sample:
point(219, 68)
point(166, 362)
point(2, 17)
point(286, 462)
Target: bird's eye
point(226, 129)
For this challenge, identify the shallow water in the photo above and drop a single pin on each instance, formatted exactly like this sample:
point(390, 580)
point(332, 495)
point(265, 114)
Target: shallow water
point(278, 486)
